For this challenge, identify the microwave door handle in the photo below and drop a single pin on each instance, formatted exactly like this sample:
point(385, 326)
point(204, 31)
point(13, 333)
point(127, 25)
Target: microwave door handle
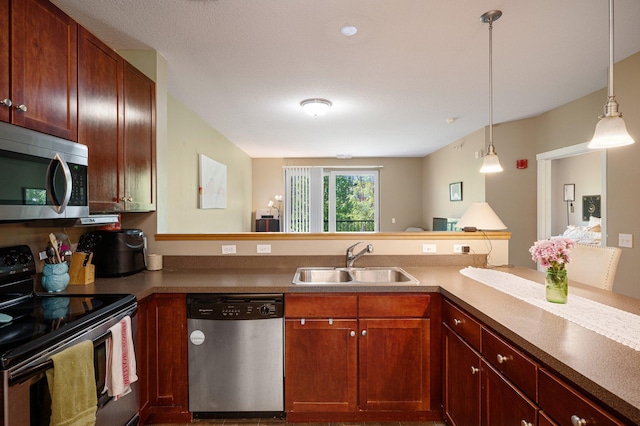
point(67, 183)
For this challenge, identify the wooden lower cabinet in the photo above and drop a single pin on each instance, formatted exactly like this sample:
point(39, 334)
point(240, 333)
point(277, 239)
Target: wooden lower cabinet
point(512, 389)
point(356, 358)
point(503, 403)
point(321, 363)
point(162, 331)
point(461, 380)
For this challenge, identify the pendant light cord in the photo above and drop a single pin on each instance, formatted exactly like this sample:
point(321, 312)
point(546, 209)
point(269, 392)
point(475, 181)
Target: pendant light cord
point(611, 49)
point(491, 85)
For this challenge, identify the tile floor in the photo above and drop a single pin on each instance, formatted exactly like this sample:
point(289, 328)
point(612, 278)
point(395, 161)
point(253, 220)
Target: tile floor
point(274, 422)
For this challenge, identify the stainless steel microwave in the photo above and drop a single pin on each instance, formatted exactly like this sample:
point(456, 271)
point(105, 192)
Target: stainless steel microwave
point(41, 176)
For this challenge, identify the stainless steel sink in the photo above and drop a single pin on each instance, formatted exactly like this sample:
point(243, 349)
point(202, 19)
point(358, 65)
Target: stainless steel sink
point(371, 275)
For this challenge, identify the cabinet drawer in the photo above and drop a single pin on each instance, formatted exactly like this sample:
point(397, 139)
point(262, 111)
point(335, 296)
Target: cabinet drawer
point(511, 363)
point(394, 306)
point(561, 403)
point(320, 306)
point(461, 323)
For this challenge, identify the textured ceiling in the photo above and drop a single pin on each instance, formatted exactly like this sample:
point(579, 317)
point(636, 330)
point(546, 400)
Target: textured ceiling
point(245, 65)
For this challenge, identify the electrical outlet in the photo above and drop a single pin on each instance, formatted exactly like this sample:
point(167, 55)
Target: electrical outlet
point(625, 240)
point(460, 248)
point(428, 248)
point(263, 248)
point(229, 249)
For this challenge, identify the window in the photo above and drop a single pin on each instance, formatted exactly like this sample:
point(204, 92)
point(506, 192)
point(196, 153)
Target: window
point(331, 199)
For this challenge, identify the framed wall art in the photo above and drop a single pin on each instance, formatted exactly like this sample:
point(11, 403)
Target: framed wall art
point(213, 183)
point(455, 191)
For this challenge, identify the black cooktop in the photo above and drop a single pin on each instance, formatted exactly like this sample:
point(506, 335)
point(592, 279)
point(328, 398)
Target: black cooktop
point(32, 321)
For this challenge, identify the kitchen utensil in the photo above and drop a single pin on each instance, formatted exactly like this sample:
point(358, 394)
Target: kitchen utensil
point(51, 253)
point(54, 243)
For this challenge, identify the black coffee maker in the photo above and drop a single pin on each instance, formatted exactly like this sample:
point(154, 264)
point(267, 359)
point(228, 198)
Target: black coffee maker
point(116, 253)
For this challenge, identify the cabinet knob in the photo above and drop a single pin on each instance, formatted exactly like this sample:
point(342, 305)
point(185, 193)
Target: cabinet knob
point(302, 321)
point(352, 333)
point(364, 332)
point(456, 321)
point(578, 421)
point(525, 423)
point(474, 370)
point(22, 107)
point(502, 359)
point(126, 199)
point(6, 102)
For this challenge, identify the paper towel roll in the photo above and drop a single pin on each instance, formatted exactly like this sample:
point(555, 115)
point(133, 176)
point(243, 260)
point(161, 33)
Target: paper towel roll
point(154, 262)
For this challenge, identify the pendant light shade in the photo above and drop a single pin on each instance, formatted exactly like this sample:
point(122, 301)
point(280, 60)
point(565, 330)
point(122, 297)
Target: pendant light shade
point(491, 163)
point(611, 131)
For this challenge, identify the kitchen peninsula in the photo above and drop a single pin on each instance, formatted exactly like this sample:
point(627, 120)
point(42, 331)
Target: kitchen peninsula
point(603, 371)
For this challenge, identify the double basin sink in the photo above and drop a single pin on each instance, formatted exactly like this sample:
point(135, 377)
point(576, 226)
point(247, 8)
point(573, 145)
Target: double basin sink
point(370, 275)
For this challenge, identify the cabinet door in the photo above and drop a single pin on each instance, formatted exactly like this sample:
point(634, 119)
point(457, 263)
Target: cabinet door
point(394, 363)
point(142, 358)
point(100, 121)
point(168, 372)
point(503, 404)
point(139, 140)
point(44, 68)
point(320, 365)
point(461, 381)
point(4, 59)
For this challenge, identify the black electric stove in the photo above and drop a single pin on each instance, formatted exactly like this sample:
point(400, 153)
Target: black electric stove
point(30, 322)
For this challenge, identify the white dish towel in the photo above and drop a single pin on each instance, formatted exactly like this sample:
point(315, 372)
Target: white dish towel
point(121, 360)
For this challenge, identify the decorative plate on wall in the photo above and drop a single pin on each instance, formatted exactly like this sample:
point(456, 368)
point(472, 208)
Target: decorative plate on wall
point(590, 206)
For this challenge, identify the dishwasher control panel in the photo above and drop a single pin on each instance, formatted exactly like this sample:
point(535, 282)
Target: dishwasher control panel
point(235, 307)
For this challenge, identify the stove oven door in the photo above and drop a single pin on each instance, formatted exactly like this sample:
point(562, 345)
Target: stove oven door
point(27, 401)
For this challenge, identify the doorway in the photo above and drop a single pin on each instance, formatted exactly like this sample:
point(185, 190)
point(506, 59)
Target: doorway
point(547, 193)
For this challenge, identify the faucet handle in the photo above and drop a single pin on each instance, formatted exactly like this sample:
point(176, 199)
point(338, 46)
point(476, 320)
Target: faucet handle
point(369, 248)
point(351, 247)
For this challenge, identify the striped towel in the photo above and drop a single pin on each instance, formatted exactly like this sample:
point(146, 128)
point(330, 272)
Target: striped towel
point(121, 360)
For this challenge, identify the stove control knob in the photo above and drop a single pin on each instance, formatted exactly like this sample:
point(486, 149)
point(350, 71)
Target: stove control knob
point(23, 258)
point(264, 310)
point(9, 260)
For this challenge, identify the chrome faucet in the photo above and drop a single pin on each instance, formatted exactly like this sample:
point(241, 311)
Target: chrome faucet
point(353, 257)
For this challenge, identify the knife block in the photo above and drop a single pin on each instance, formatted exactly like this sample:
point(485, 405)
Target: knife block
point(82, 271)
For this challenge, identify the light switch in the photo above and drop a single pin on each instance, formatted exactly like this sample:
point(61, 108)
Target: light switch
point(625, 240)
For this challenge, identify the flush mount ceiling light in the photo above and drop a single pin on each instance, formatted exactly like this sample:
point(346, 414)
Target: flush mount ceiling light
point(611, 131)
point(315, 107)
point(348, 30)
point(491, 163)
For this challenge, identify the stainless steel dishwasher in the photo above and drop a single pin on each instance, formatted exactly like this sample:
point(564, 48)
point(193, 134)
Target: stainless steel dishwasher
point(236, 355)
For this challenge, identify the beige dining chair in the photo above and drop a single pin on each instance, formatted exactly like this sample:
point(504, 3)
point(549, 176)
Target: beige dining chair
point(594, 265)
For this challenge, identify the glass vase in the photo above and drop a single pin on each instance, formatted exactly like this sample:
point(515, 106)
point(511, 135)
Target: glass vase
point(556, 285)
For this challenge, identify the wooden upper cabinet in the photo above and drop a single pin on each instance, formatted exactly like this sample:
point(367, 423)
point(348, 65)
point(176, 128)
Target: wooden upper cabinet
point(43, 64)
point(116, 120)
point(101, 120)
point(139, 140)
point(4, 59)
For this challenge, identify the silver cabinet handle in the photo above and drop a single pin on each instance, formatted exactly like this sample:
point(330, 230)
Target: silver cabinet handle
point(525, 423)
point(22, 107)
point(364, 332)
point(6, 102)
point(502, 359)
point(126, 199)
point(474, 370)
point(456, 321)
point(352, 333)
point(578, 421)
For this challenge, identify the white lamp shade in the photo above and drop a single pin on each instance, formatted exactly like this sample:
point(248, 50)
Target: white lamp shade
point(610, 132)
point(491, 164)
point(482, 217)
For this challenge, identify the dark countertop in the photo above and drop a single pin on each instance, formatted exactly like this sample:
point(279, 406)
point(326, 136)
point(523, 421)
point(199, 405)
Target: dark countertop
point(607, 370)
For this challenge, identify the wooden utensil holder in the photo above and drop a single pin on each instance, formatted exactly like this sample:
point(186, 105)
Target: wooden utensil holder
point(82, 271)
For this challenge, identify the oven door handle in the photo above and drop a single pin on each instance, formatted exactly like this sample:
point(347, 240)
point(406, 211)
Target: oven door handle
point(34, 370)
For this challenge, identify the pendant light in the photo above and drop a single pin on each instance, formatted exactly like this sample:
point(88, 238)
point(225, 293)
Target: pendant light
point(611, 131)
point(491, 163)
